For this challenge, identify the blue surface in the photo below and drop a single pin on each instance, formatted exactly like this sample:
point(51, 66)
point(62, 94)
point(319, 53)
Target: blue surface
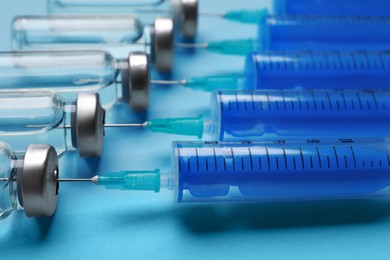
point(94, 223)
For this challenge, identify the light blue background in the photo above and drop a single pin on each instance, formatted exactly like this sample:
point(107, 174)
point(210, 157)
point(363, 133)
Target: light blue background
point(94, 223)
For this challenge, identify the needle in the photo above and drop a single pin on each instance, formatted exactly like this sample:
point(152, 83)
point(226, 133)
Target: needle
point(94, 180)
point(177, 44)
point(162, 82)
point(159, 11)
point(112, 125)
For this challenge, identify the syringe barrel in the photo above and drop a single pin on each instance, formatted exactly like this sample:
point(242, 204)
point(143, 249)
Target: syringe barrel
point(281, 170)
point(8, 190)
point(253, 115)
point(317, 69)
point(27, 118)
point(67, 72)
point(311, 32)
point(331, 7)
point(76, 32)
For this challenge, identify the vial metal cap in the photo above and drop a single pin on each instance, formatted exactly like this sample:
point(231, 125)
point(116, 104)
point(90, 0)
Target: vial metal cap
point(89, 125)
point(37, 181)
point(162, 44)
point(138, 83)
point(185, 14)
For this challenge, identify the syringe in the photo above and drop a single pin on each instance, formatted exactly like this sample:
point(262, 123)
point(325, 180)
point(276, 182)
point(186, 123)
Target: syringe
point(269, 170)
point(275, 170)
point(317, 69)
point(248, 115)
point(254, 115)
point(95, 32)
point(129, 80)
point(275, 33)
point(185, 12)
point(309, 7)
point(303, 70)
point(309, 32)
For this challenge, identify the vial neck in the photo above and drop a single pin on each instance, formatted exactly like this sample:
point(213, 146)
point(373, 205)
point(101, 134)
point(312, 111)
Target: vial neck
point(17, 168)
point(123, 80)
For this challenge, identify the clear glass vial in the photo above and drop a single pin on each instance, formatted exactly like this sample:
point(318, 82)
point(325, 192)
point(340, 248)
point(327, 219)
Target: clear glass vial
point(28, 180)
point(69, 72)
point(111, 32)
point(184, 12)
point(43, 117)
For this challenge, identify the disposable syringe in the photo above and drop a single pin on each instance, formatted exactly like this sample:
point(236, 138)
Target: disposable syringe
point(128, 80)
point(261, 114)
point(274, 170)
point(309, 7)
point(236, 115)
point(303, 70)
point(308, 32)
point(185, 12)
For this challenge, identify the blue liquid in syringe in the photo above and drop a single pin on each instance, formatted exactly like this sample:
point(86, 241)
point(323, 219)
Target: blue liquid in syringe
point(305, 70)
point(332, 7)
point(309, 169)
point(243, 115)
point(311, 32)
point(317, 69)
point(293, 114)
point(282, 170)
point(324, 33)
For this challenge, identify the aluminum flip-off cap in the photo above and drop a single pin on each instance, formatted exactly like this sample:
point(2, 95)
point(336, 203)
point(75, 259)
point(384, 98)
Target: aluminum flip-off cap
point(137, 81)
point(162, 44)
point(37, 181)
point(185, 15)
point(89, 125)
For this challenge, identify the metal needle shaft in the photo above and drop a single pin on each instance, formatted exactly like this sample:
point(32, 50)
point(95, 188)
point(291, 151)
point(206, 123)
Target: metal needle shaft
point(162, 82)
point(161, 11)
point(125, 125)
point(113, 125)
point(202, 45)
point(74, 180)
point(59, 180)
point(169, 82)
point(7, 179)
